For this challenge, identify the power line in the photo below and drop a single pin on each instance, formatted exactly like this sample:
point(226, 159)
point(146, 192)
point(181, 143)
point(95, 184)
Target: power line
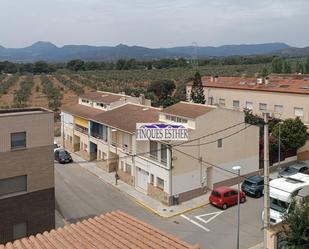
point(215, 141)
point(226, 170)
point(210, 134)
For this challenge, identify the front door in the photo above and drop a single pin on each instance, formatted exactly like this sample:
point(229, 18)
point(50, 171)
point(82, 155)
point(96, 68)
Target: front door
point(142, 179)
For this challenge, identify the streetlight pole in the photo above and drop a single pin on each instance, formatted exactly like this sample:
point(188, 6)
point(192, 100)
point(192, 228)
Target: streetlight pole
point(237, 168)
point(116, 150)
point(266, 179)
point(279, 147)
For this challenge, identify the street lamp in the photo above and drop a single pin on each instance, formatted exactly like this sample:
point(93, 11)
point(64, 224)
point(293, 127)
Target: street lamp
point(279, 147)
point(116, 146)
point(237, 168)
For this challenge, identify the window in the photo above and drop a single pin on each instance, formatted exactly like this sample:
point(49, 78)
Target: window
point(222, 102)
point(168, 117)
point(163, 153)
point(210, 100)
point(121, 166)
point(19, 230)
point(299, 112)
point(249, 105)
point(85, 101)
point(13, 185)
point(181, 120)
point(160, 183)
point(236, 104)
point(151, 179)
point(263, 107)
point(173, 118)
point(227, 194)
point(18, 140)
point(220, 143)
point(128, 168)
point(279, 109)
point(153, 150)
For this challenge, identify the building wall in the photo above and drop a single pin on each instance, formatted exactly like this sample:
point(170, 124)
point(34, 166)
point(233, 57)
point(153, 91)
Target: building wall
point(37, 209)
point(35, 205)
point(288, 100)
point(241, 149)
point(34, 125)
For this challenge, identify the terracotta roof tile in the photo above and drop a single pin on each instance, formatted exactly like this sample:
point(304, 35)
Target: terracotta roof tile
point(104, 97)
point(125, 117)
point(115, 230)
point(82, 111)
point(284, 83)
point(188, 110)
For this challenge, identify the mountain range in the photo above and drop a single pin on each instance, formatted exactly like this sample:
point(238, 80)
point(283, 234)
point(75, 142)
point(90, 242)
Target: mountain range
point(49, 52)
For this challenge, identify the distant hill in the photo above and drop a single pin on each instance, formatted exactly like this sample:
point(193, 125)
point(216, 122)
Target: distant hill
point(50, 52)
point(293, 52)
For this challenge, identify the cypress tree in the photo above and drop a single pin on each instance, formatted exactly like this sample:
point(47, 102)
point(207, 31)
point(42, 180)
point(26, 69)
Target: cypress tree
point(197, 91)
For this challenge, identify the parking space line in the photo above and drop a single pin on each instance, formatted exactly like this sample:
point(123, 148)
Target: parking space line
point(215, 214)
point(195, 223)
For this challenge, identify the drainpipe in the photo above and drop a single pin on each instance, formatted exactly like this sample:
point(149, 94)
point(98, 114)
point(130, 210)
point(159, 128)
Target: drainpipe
point(170, 171)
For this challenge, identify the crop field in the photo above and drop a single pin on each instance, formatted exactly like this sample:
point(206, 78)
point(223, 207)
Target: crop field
point(62, 88)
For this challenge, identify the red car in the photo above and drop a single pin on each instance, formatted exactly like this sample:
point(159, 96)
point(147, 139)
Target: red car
point(224, 197)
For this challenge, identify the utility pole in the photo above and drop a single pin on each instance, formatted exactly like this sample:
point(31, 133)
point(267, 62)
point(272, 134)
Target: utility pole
point(266, 179)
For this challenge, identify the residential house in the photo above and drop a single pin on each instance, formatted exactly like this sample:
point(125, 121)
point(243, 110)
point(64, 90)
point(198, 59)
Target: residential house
point(284, 95)
point(27, 196)
point(156, 168)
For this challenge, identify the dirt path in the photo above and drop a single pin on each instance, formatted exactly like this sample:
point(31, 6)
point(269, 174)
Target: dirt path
point(7, 99)
point(37, 97)
point(69, 97)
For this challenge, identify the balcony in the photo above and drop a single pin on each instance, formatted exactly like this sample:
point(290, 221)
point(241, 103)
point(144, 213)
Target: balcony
point(81, 129)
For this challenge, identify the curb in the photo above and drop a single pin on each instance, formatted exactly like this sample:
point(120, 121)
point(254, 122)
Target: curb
point(141, 203)
point(174, 214)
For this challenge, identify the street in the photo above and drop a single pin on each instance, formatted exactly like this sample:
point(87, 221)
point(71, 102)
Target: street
point(80, 195)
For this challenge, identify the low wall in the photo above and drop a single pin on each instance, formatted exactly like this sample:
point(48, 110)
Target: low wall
point(126, 177)
point(158, 194)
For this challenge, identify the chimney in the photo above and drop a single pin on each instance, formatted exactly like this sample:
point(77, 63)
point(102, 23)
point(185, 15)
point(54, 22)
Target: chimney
point(211, 78)
point(142, 99)
point(259, 81)
point(266, 81)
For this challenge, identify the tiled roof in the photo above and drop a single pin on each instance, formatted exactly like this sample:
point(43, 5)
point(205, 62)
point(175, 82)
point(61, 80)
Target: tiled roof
point(188, 110)
point(104, 97)
point(125, 117)
point(81, 111)
point(113, 230)
point(276, 83)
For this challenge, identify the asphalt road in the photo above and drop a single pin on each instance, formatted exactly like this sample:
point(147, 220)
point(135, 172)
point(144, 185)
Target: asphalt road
point(80, 195)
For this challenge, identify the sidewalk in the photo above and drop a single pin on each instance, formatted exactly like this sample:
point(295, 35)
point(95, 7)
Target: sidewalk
point(258, 246)
point(144, 200)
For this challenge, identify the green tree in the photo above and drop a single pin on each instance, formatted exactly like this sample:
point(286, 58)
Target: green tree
point(264, 72)
point(297, 222)
point(276, 65)
point(162, 88)
point(287, 67)
point(40, 67)
point(299, 67)
point(76, 65)
point(307, 66)
point(197, 91)
point(293, 133)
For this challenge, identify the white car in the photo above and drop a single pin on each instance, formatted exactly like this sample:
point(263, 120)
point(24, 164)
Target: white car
point(56, 146)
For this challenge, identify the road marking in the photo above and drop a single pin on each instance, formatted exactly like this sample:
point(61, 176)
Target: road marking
point(195, 223)
point(215, 214)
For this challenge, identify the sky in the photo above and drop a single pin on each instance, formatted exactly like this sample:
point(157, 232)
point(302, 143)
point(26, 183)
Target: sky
point(154, 23)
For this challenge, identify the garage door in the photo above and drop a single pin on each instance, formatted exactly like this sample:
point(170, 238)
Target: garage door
point(142, 179)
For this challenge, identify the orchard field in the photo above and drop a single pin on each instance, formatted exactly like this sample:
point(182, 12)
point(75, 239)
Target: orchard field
point(62, 87)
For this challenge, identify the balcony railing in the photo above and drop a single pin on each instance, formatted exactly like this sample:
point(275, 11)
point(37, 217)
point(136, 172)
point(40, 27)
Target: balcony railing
point(81, 129)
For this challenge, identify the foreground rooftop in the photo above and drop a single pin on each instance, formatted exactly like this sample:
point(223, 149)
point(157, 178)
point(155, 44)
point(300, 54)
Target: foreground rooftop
point(113, 230)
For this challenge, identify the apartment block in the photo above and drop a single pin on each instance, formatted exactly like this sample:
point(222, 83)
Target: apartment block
point(284, 95)
point(27, 199)
point(160, 169)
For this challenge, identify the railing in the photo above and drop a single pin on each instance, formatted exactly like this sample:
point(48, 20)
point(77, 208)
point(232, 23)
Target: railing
point(81, 129)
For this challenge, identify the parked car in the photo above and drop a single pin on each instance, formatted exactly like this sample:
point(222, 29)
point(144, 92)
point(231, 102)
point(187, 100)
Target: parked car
point(56, 146)
point(253, 185)
point(294, 169)
point(62, 156)
point(223, 197)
